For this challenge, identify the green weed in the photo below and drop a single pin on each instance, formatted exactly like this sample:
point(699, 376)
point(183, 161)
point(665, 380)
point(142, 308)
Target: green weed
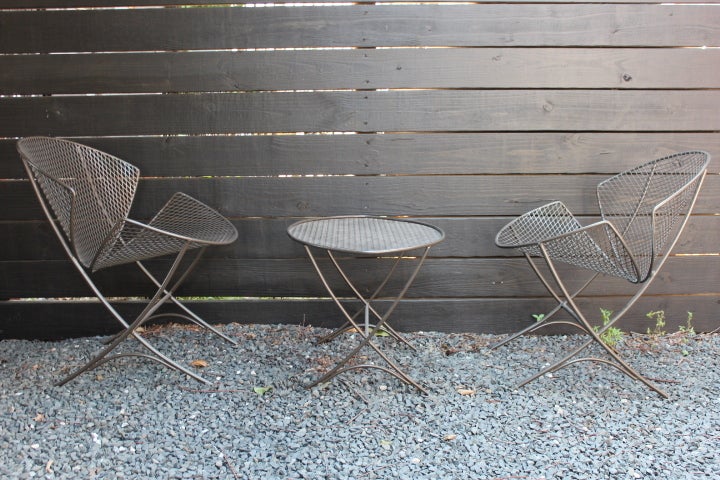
point(659, 317)
point(688, 328)
point(613, 335)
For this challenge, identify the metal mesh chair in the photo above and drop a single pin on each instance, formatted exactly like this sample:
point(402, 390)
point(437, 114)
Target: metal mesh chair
point(643, 210)
point(86, 195)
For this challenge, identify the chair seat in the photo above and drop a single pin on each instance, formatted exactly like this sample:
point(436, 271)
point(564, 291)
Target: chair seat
point(183, 219)
point(552, 227)
point(535, 226)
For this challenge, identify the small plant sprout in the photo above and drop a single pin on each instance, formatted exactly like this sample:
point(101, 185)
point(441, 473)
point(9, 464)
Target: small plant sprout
point(688, 328)
point(659, 317)
point(613, 335)
point(687, 331)
point(262, 390)
point(539, 317)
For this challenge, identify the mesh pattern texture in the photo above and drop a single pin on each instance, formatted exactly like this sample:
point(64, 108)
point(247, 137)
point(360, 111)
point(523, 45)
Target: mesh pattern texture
point(91, 192)
point(646, 203)
point(641, 209)
point(365, 235)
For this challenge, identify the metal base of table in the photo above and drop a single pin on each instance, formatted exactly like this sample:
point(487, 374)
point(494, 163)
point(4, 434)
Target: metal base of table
point(366, 329)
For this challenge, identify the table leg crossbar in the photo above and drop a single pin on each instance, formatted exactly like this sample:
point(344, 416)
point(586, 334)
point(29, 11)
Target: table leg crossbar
point(366, 330)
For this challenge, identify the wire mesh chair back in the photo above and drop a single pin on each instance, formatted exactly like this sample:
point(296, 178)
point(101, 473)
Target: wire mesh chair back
point(646, 204)
point(90, 192)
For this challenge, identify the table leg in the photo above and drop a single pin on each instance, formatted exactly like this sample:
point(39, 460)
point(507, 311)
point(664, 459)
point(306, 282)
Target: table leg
point(367, 319)
point(367, 337)
point(367, 302)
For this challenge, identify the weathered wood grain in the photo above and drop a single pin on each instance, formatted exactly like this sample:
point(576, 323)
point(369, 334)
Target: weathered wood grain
point(356, 111)
point(416, 196)
point(624, 68)
point(484, 25)
point(439, 278)
point(390, 154)
point(466, 237)
point(557, 97)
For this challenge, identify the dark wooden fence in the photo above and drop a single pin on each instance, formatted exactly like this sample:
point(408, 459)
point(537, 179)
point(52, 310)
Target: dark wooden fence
point(461, 115)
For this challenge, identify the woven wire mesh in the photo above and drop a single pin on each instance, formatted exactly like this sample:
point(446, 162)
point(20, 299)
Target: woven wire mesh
point(370, 235)
point(647, 203)
point(189, 220)
point(91, 192)
point(536, 225)
point(644, 205)
point(596, 247)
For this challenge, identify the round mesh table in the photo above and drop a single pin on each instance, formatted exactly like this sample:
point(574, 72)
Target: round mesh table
point(366, 236)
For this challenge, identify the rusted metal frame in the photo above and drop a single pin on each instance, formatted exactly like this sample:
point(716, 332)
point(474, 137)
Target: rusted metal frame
point(366, 304)
point(160, 297)
point(189, 314)
point(596, 335)
point(158, 356)
point(159, 285)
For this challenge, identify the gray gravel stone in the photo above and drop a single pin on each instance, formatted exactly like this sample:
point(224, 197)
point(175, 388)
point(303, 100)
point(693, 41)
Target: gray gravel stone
point(133, 419)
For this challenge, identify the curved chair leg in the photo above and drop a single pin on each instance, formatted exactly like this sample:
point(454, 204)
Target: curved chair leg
point(595, 336)
point(561, 305)
point(366, 304)
point(619, 364)
point(160, 297)
point(189, 314)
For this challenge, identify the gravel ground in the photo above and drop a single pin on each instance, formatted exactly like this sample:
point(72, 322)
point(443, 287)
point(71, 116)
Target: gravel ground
point(131, 418)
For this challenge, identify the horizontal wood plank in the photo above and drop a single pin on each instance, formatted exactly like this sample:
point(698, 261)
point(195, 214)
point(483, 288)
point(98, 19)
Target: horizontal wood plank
point(52, 320)
point(68, 4)
point(358, 26)
point(389, 154)
point(625, 68)
point(439, 278)
point(416, 196)
point(356, 111)
point(267, 238)
point(558, 96)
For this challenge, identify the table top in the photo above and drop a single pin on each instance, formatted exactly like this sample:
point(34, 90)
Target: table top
point(365, 234)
